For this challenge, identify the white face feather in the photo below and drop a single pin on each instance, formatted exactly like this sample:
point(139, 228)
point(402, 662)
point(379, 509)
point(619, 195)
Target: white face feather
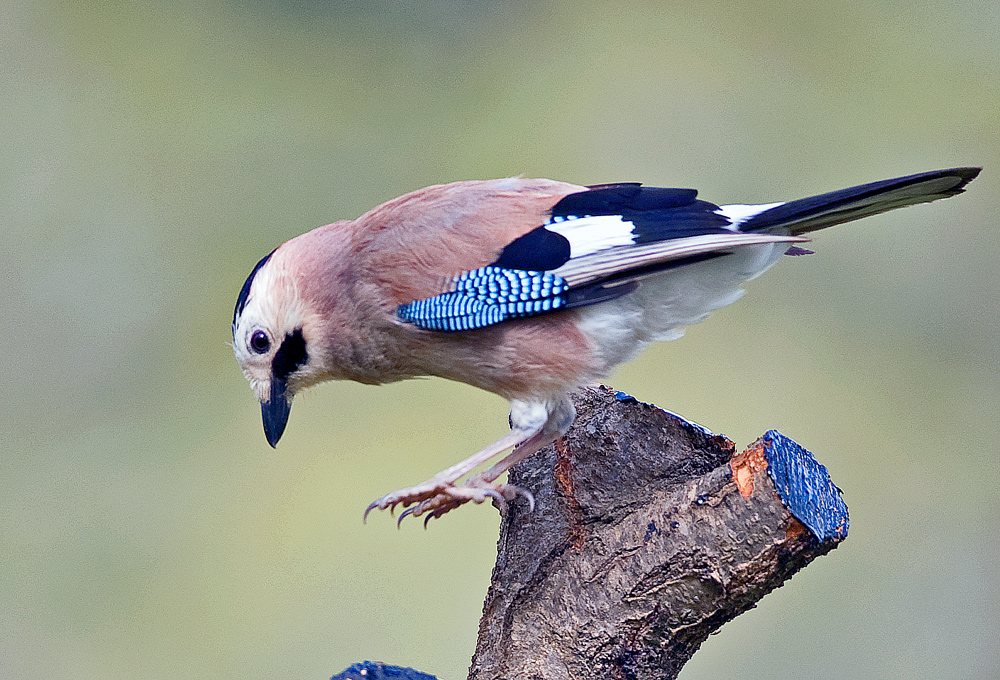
point(589, 234)
point(273, 307)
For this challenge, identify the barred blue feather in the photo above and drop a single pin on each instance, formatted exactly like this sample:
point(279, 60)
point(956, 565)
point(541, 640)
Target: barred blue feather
point(486, 296)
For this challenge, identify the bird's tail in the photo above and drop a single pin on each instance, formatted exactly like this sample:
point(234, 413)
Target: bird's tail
point(837, 207)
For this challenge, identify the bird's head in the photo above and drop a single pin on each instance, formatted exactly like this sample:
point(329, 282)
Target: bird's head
point(271, 339)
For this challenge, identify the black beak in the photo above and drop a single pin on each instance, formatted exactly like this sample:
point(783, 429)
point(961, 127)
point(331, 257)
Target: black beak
point(275, 412)
point(290, 355)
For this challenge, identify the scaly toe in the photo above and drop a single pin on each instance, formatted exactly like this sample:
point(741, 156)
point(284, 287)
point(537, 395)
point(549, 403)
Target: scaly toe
point(435, 499)
point(406, 497)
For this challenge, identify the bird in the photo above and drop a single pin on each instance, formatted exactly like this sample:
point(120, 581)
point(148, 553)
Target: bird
point(526, 288)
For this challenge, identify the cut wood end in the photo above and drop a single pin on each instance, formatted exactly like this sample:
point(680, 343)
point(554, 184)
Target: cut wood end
point(746, 464)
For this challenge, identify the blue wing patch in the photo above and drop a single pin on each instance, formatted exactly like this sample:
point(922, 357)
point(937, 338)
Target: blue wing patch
point(487, 296)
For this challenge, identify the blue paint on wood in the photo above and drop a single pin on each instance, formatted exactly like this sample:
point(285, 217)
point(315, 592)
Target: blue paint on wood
point(805, 487)
point(373, 670)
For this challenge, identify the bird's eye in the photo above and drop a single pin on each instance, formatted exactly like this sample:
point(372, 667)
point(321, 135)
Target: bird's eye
point(259, 342)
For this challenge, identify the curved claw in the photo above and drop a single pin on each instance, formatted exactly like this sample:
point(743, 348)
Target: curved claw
point(371, 506)
point(440, 511)
point(498, 498)
point(524, 493)
point(406, 513)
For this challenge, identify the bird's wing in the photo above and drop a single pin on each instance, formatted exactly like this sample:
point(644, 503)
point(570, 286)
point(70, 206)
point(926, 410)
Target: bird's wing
point(594, 246)
point(598, 244)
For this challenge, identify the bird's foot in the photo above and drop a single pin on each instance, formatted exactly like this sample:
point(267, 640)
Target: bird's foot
point(434, 498)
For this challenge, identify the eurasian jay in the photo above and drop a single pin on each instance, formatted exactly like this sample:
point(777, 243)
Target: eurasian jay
point(528, 288)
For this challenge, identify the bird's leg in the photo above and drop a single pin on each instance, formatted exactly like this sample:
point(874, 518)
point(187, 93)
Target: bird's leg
point(444, 481)
point(533, 425)
point(560, 418)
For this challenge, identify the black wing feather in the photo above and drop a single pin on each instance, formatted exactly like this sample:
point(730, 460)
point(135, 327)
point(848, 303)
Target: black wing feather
point(538, 250)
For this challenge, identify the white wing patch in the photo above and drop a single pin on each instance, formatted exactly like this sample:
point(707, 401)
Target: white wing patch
point(593, 233)
point(738, 213)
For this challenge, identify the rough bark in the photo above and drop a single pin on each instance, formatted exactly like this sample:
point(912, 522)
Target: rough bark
point(648, 534)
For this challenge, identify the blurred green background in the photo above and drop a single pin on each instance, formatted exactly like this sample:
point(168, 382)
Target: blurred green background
point(153, 151)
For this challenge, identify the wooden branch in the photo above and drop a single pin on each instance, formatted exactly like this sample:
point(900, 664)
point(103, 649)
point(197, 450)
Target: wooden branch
point(648, 534)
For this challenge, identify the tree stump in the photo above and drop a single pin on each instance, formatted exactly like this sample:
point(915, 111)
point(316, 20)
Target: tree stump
point(649, 532)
